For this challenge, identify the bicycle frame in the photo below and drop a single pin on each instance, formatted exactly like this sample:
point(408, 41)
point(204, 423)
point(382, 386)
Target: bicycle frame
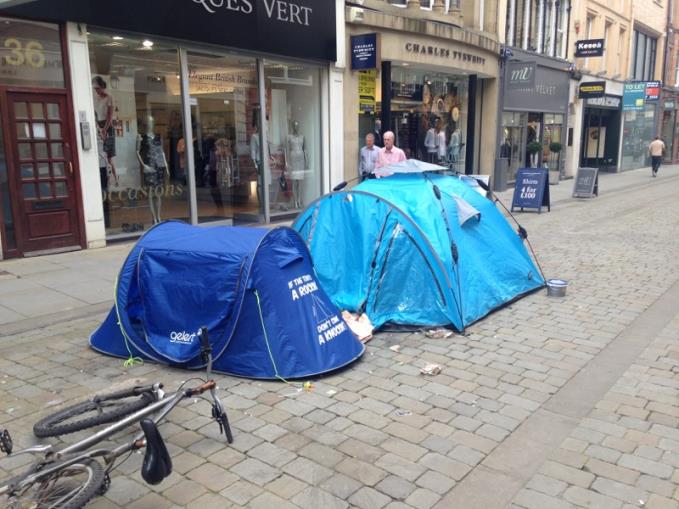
point(69, 455)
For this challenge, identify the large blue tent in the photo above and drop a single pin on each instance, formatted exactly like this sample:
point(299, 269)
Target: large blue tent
point(416, 249)
point(254, 288)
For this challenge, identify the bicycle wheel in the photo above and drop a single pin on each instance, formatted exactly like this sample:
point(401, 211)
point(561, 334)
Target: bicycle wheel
point(101, 409)
point(69, 488)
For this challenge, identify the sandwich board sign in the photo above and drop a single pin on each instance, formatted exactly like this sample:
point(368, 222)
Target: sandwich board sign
point(531, 190)
point(586, 183)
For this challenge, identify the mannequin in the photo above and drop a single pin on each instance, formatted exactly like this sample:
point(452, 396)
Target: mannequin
point(454, 147)
point(296, 163)
point(153, 166)
point(430, 143)
point(255, 155)
point(223, 163)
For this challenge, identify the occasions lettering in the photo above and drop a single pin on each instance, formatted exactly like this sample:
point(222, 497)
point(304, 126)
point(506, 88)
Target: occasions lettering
point(280, 10)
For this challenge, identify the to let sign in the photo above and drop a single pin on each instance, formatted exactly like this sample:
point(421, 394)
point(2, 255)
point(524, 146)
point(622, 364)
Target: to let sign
point(364, 51)
point(653, 90)
point(586, 183)
point(589, 48)
point(531, 190)
point(592, 89)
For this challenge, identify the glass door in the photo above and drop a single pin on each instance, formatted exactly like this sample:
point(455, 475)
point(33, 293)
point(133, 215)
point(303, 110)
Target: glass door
point(514, 142)
point(225, 116)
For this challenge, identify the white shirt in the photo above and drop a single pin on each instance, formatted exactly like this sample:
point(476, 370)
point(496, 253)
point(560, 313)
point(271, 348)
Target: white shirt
point(441, 143)
point(101, 106)
point(430, 140)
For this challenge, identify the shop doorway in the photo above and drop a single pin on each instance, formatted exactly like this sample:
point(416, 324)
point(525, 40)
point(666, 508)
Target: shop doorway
point(41, 172)
point(600, 139)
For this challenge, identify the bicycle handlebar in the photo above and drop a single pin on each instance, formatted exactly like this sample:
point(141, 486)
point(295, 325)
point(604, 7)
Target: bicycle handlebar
point(209, 385)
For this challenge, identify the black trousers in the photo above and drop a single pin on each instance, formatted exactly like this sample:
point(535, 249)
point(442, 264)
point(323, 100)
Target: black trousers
point(655, 163)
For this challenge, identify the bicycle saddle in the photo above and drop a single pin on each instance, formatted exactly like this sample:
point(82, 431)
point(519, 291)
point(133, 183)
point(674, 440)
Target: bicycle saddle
point(157, 462)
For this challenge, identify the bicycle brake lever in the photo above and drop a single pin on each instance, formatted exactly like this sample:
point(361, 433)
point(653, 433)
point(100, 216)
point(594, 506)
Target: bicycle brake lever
point(219, 415)
point(6, 443)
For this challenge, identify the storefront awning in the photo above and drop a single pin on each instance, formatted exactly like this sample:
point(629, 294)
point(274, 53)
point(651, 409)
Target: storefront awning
point(294, 28)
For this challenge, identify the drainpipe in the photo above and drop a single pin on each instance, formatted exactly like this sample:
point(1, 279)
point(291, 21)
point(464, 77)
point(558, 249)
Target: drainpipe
point(665, 75)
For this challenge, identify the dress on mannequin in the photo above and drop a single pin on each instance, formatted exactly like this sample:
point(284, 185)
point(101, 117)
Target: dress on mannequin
point(296, 160)
point(154, 168)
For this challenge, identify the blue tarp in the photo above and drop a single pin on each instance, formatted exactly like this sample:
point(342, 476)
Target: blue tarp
point(388, 247)
point(179, 278)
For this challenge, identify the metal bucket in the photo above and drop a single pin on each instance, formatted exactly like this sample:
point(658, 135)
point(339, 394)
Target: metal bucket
point(556, 287)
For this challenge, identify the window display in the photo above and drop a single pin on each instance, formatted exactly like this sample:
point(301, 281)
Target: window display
point(137, 108)
point(638, 132)
point(294, 135)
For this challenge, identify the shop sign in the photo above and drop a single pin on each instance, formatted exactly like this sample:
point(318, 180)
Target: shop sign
point(586, 183)
point(442, 52)
point(634, 96)
point(296, 28)
point(589, 48)
point(367, 88)
point(669, 105)
point(521, 75)
point(653, 90)
point(592, 89)
point(364, 51)
point(531, 190)
point(550, 92)
point(608, 101)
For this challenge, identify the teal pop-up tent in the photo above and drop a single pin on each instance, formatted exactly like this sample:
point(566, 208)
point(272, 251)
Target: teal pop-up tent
point(416, 249)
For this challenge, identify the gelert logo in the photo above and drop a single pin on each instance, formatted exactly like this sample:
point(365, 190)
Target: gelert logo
point(182, 337)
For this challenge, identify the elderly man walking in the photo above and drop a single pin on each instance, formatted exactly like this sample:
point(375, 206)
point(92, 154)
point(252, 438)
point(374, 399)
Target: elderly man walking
point(367, 157)
point(389, 154)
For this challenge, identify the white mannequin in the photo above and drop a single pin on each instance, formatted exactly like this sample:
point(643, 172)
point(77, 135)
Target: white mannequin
point(153, 166)
point(296, 163)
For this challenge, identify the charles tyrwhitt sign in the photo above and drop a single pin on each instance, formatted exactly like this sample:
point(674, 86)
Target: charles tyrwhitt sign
point(297, 28)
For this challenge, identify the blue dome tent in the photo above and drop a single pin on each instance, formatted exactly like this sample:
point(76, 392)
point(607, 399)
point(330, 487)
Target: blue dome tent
point(254, 288)
point(416, 249)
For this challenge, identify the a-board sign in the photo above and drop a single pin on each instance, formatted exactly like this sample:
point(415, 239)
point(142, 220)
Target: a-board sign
point(531, 190)
point(586, 183)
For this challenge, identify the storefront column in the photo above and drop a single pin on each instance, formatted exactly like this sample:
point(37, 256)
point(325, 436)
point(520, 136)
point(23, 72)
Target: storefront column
point(188, 134)
point(471, 126)
point(88, 160)
point(264, 142)
point(386, 96)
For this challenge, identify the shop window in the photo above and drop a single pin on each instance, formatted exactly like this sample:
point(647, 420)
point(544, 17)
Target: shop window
point(638, 131)
point(30, 54)
point(139, 131)
point(643, 64)
point(425, 104)
point(224, 110)
point(513, 145)
point(293, 123)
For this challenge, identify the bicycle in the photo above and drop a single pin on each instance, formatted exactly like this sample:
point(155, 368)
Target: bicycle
point(70, 477)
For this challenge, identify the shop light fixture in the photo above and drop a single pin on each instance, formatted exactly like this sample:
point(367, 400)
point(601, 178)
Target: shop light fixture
point(147, 44)
point(117, 38)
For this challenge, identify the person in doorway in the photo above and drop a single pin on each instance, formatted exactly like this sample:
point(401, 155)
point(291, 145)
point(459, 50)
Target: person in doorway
point(377, 133)
point(103, 110)
point(367, 157)
point(656, 148)
point(389, 154)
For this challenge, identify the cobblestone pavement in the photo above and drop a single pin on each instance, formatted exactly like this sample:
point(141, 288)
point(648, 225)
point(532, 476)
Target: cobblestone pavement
point(547, 403)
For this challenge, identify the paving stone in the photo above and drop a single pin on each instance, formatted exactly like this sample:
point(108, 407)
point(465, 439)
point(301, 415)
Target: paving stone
point(395, 487)
point(315, 498)
point(241, 492)
point(546, 485)
point(445, 465)
point(422, 498)
point(268, 500)
point(307, 471)
point(436, 482)
point(285, 486)
point(341, 485)
point(530, 499)
point(184, 492)
point(368, 498)
point(272, 454)
point(321, 454)
point(208, 501)
point(645, 466)
point(623, 492)
point(567, 474)
point(255, 471)
point(364, 472)
point(124, 490)
point(588, 498)
point(211, 476)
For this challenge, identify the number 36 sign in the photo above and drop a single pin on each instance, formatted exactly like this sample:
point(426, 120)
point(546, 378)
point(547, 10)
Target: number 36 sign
point(531, 190)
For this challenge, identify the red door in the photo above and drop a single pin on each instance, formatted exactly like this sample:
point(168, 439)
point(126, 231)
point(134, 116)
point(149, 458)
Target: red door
point(43, 173)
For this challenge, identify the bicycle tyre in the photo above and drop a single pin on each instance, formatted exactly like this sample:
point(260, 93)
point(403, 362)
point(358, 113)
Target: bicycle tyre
point(125, 403)
point(39, 492)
